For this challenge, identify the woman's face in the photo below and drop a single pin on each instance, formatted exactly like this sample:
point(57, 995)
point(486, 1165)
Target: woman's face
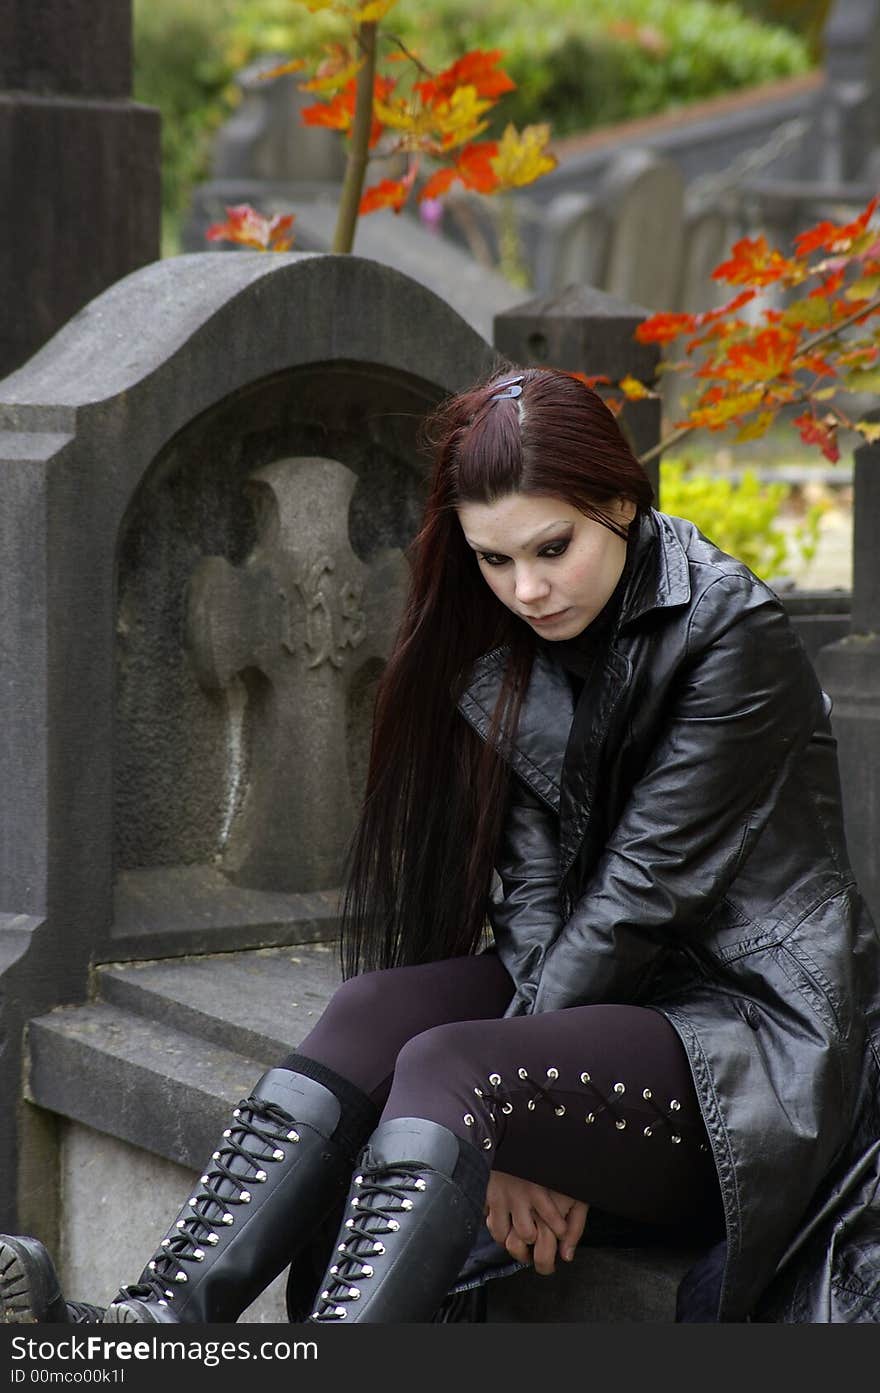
point(550, 565)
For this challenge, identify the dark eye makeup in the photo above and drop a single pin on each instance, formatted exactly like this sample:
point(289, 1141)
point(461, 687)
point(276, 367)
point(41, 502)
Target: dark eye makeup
point(550, 550)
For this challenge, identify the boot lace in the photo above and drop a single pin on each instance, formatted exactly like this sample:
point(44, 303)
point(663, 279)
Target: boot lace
point(381, 1196)
point(248, 1146)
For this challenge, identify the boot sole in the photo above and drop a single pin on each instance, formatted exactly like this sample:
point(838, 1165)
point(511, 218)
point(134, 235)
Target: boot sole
point(24, 1295)
point(129, 1313)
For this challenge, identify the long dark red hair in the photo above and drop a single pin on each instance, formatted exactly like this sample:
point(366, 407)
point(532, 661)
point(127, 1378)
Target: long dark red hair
point(420, 864)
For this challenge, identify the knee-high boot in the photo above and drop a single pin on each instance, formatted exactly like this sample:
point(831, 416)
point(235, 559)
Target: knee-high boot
point(30, 1292)
point(284, 1160)
point(413, 1211)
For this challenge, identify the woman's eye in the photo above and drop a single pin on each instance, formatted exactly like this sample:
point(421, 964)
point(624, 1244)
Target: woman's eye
point(491, 559)
point(555, 549)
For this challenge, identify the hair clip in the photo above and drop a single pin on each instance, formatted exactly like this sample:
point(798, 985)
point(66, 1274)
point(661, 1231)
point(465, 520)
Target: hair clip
point(511, 388)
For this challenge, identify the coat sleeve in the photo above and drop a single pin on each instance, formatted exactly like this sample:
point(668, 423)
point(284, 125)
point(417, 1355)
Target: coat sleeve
point(524, 912)
point(743, 708)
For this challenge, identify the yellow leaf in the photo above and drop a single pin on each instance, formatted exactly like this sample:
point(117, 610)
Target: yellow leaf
point(869, 429)
point(633, 389)
point(755, 429)
point(451, 123)
point(864, 289)
point(863, 380)
point(333, 82)
point(824, 394)
point(374, 11)
point(807, 314)
point(521, 157)
point(294, 66)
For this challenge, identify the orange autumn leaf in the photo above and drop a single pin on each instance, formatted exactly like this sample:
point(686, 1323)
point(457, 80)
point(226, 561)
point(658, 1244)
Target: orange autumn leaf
point(822, 433)
point(830, 285)
point(664, 327)
point(716, 410)
point(722, 311)
point(814, 362)
point(472, 166)
point(338, 113)
point(834, 237)
point(389, 193)
point(768, 354)
point(474, 163)
point(478, 69)
point(248, 228)
point(596, 380)
point(439, 183)
point(754, 262)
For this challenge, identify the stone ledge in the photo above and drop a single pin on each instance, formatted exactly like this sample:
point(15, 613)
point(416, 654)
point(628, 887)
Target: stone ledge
point(167, 1047)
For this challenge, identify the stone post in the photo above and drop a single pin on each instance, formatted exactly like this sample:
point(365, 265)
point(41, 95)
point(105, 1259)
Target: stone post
point(851, 59)
point(79, 165)
point(582, 329)
point(850, 672)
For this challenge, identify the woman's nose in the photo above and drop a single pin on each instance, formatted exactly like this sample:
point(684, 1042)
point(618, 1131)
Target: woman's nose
point(530, 585)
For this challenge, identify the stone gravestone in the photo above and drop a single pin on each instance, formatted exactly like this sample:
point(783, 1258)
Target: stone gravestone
point(643, 193)
point(851, 58)
point(265, 137)
point(209, 478)
point(305, 615)
point(79, 164)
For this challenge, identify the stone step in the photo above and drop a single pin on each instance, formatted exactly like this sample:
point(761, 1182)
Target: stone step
point(135, 1079)
point(259, 1002)
point(167, 1047)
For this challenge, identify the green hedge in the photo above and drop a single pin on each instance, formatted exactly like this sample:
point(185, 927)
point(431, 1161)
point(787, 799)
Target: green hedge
point(576, 65)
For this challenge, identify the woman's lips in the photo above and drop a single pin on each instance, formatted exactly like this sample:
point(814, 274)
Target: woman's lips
point(546, 618)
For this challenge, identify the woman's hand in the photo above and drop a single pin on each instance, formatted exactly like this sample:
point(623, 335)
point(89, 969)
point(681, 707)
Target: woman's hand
point(533, 1223)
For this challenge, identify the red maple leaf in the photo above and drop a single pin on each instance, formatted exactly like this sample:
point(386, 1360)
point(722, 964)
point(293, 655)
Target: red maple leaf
point(834, 236)
point(389, 193)
point(478, 69)
point(664, 327)
point(822, 433)
point(753, 262)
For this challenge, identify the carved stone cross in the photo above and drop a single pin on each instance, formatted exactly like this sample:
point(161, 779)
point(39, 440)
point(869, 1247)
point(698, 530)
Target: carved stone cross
point(284, 635)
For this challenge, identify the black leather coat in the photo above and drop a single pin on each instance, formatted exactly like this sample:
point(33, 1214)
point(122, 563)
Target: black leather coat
point(681, 846)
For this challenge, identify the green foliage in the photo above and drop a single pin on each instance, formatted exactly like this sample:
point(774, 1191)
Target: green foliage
point(576, 65)
point(740, 517)
point(180, 67)
point(804, 17)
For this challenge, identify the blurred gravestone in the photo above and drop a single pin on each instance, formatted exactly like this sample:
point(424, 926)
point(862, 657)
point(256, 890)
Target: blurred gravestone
point(79, 165)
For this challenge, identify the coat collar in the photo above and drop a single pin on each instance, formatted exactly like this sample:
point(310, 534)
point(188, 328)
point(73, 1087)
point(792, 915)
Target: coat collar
point(660, 579)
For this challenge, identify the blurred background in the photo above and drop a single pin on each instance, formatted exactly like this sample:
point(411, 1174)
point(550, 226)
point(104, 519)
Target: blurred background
point(679, 125)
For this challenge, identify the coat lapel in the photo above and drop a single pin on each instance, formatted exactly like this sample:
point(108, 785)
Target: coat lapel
point(558, 752)
point(538, 750)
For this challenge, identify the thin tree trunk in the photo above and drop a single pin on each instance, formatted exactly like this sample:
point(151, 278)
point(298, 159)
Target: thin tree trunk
point(359, 148)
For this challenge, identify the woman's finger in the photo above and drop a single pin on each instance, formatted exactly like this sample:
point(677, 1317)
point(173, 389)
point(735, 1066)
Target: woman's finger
point(517, 1248)
point(545, 1250)
point(574, 1228)
point(546, 1209)
point(522, 1220)
point(499, 1225)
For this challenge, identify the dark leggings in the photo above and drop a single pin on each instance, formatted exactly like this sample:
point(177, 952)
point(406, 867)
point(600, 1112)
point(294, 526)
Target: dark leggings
point(596, 1102)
